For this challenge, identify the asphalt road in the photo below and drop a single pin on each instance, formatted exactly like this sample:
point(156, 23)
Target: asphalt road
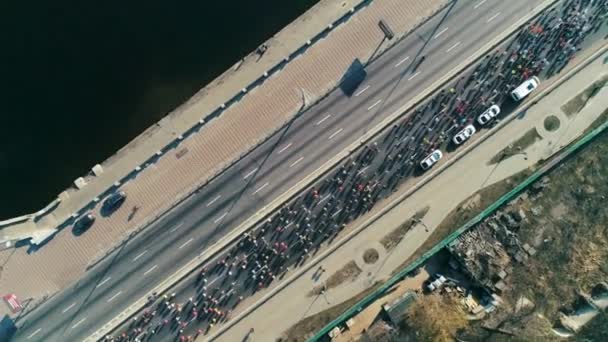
point(269, 171)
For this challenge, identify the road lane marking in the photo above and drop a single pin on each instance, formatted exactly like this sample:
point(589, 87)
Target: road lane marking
point(114, 296)
point(374, 105)
point(260, 188)
point(250, 173)
point(479, 4)
point(296, 162)
point(289, 224)
point(284, 148)
point(402, 61)
point(176, 227)
point(151, 269)
point(68, 308)
point(362, 170)
point(452, 47)
point(103, 282)
point(414, 75)
point(335, 133)
point(185, 243)
point(140, 255)
point(324, 198)
point(493, 17)
point(213, 200)
point(34, 333)
point(78, 323)
point(362, 91)
point(336, 213)
point(221, 217)
point(440, 33)
point(325, 118)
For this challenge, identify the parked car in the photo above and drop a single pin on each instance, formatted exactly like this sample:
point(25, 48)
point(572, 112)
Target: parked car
point(488, 115)
point(115, 200)
point(431, 159)
point(436, 283)
point(525, 88)
point(464, 134)
point(84, 223)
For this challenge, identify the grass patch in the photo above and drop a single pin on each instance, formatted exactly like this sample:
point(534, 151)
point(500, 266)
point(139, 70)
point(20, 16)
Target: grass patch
point(576, 104)
point(390, 240)
point(465, 211)
point(350, 271)
point(551, 123)
point(305, 328)
point(517, 147)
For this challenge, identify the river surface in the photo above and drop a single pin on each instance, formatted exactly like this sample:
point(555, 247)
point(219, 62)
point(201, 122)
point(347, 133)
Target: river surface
point(80, 79)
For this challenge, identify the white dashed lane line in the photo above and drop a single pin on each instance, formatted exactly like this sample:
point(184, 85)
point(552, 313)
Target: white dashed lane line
point(213, 200)
point(186, 243)
point(140, 255)
point(493, 17)
point(260, 188)
point(250, 173)
point(68, 308)
point(335, 133)
point(453, 47)
point(220, 218)
point(440, 33)
point(151, 269)
point(402, 61)
point(78, 323)
point(176, 227)
point(325, 118)
point(414, 75)
point(362, 91)
point(103, 282)
point(114, 296)
point(374, 105)
point(284, 148)
point(479, 4)
point(296, 162)
point(34, 333)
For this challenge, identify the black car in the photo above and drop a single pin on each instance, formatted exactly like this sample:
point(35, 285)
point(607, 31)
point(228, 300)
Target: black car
point(115, 200)
point(84, 223)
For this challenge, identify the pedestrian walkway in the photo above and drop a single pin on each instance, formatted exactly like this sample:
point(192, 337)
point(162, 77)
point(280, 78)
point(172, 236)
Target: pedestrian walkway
point(293, 303)
point(163, 181)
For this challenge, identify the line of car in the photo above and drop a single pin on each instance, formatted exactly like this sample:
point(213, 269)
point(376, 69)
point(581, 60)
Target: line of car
point(113, 202)
point(488, 115)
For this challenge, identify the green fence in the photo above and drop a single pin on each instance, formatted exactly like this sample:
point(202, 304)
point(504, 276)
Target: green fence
point(362, 304)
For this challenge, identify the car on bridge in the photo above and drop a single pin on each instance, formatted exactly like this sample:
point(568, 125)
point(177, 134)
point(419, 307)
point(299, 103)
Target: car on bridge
point(488, 115)
point(114, 201)
point(431, 159)
point(83, 224)
point(464, 134)
point(525, 88)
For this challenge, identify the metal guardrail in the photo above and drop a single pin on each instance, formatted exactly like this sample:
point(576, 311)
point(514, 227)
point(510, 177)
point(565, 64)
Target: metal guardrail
point(453, 236)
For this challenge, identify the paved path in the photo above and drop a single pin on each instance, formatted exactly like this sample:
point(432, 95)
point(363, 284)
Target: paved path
point(64, 259)
point(292, 304)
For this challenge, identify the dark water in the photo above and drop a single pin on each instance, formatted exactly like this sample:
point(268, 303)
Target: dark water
point(80, 79)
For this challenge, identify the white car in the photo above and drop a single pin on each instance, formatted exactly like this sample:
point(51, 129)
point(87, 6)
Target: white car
point(525, 88)
point(431, 159)
point(464, 134)
point(488, 115)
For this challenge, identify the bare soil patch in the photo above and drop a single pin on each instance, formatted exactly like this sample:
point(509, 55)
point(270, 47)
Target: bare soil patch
point(390, 240)
point(350, 271)
point(517, 147)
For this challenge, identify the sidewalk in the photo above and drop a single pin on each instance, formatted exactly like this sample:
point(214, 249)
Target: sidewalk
point(162, 181)
point(291, 305)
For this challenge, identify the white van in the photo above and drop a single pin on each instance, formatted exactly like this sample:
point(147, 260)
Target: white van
point(525, 88)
